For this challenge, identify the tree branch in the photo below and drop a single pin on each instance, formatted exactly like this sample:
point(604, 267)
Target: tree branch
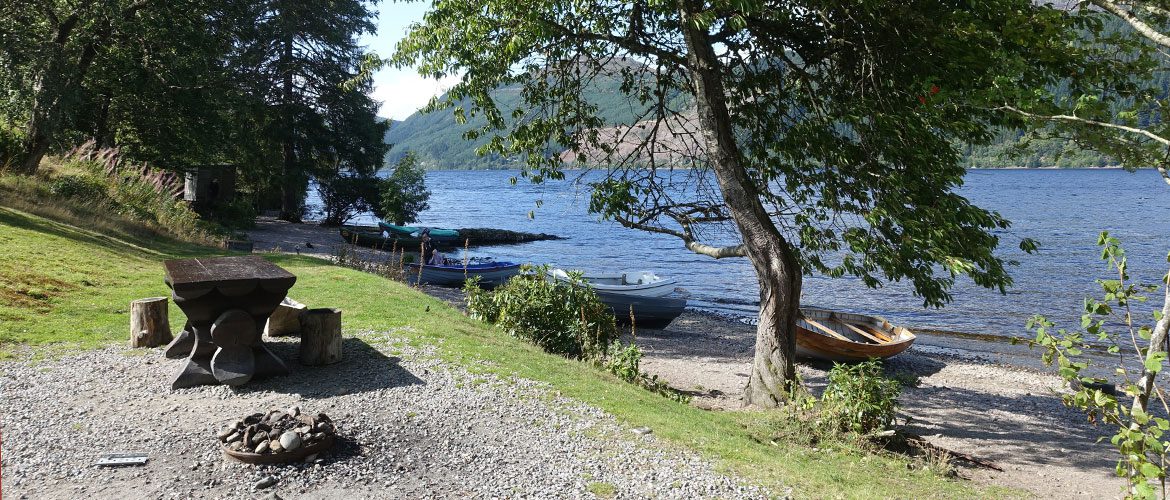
point(717, 252)
point(1145, 29)
point(688, 240)
point(1162, 169)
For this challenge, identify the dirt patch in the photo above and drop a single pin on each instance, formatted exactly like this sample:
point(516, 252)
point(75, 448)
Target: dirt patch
point(32, 291)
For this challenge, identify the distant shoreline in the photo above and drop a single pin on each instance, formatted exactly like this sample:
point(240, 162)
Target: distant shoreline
point(578, 169)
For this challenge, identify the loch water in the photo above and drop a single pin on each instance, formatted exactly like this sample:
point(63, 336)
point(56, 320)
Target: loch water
point(1065, 210)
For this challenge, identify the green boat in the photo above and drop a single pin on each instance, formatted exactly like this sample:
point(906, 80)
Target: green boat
point(385, 240)
point(414, 231)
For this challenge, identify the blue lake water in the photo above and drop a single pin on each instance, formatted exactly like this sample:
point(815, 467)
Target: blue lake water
point(1064, 210)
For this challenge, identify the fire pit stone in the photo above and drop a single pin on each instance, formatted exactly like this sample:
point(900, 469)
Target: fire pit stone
point(277, 436)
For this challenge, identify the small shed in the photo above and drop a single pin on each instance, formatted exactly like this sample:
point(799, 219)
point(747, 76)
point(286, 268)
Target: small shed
point(207, 186)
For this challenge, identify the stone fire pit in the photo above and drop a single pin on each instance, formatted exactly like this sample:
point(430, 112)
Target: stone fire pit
point(277, 436)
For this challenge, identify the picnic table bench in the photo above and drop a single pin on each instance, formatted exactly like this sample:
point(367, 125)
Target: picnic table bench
point(227, 301)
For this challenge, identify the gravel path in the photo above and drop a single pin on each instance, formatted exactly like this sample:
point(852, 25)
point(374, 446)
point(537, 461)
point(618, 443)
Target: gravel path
point(410, 426)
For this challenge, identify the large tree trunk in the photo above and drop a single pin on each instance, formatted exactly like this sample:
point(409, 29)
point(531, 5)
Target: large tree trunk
point(57, 81)
point(773, 258)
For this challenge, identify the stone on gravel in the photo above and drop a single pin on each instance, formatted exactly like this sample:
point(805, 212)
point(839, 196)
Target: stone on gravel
point(642, 431)
point(265, 482)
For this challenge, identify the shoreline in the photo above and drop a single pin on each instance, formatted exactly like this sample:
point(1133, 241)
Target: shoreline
point(987, 399)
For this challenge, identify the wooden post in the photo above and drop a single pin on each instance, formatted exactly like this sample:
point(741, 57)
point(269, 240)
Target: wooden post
point(320, 336)
point(149, 326)
point(286, 319)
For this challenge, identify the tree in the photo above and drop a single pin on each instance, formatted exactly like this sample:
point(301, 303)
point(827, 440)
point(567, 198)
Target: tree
point(52, 50)
point(824, 132)
point(1115, 106)
point(404, 193)
point(346, 195)
point(302, 60)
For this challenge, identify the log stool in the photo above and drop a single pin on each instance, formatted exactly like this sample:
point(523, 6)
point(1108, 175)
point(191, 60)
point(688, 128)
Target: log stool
point(149, 325)
point(320, 336)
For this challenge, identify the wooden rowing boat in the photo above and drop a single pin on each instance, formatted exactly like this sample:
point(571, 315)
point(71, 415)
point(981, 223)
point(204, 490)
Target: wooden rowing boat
point(839, 336)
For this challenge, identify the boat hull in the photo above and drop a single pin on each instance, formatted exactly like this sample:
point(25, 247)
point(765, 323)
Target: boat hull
point(490, 275)
point(411, 231)
point(649, 312)
point(372, 237)
point(813, 342)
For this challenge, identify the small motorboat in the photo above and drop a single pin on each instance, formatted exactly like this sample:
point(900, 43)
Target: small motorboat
point(653, 301)
point(838, 336)
point(641, 283)
point(491, 274)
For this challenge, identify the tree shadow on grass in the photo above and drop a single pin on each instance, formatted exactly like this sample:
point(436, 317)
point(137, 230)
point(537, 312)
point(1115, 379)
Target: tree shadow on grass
point(154, 245)
point(362, 368)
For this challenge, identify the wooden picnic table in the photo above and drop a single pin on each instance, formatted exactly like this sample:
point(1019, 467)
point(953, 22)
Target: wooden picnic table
point(227, 301)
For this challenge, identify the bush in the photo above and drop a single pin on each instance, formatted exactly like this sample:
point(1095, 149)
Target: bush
point(559, 317)
point(136, 192)
point(344, 196)
point(78, 187)
point(859, 398)
point(404, 193)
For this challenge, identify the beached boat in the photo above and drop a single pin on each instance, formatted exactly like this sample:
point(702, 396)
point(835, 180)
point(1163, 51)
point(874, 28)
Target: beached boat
point(640, 283)
point(654, 301)
point(416, 231)
point(384, 240)
point(491, 274)
point(838, 336)
point(650, 312)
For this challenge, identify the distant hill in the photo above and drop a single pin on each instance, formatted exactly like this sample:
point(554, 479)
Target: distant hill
point(438, 140)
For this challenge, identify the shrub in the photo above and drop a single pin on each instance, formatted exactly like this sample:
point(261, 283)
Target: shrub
point(625, 361)
point(859, 398)
point(404, 193)
point(78, 187)
point(344, 196)
point(1141, 434)
point(559, 317)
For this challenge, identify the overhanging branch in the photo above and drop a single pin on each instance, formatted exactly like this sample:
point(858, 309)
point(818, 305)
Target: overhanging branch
point(1162, 169)
point(1145, 29)
point(688, 240)
point(717, 252)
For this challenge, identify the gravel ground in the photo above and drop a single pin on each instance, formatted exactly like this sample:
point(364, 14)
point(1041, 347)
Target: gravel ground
point(409, 426)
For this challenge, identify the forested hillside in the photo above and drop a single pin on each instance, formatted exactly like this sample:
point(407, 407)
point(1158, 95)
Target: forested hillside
point(438, 139)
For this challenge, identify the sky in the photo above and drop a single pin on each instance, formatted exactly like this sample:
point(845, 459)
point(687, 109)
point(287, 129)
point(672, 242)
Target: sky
point(401, 91)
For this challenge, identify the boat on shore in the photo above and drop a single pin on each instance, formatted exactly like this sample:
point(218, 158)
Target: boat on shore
point(652, 301)
point(373, 237)
point(491, 274)
point(416, 231)
point(839, 336)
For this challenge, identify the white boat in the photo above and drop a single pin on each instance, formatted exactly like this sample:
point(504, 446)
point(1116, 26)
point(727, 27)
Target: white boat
point(653, 300)
point(639, 283)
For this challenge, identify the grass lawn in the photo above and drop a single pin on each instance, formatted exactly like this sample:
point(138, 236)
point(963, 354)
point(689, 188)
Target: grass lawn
point(64, 287)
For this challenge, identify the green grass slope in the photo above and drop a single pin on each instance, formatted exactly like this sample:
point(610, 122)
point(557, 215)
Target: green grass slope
point(67, 287)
